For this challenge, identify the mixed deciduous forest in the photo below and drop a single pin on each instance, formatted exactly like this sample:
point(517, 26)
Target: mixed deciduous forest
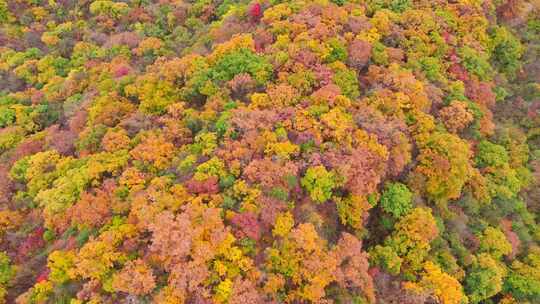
point(270, 151)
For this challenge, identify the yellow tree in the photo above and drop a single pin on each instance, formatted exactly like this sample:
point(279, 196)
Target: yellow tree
point(445, 288)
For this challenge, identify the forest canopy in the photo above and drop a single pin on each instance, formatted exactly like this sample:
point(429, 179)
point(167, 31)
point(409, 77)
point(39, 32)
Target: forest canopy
point(269, 151)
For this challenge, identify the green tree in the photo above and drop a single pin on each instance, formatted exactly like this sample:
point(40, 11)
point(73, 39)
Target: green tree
point(387, 258)
point(494, 242)
point(523, 280)
point(396, 199)
point(475, 62)
point(7, 271)
point(347, 81)
point(241, 61)
point(7, 116)
point(489, 154)
point(4, 12)
point(506, 50)
point(319, 183)
point(484, 279)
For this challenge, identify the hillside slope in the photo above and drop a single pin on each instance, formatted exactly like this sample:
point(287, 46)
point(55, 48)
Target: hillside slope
point(208, 151)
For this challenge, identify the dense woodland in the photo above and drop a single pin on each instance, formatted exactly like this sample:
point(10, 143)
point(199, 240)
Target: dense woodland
point(270, 151)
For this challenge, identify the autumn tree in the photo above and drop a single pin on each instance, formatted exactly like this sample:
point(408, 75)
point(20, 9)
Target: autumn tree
point(408, 246)
point(302, 259)
point(61, 265)
point(352, 270)
point(135, 278)
point(444, 287)
point(153, 151)
point(444, 167)
point(456, 117)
